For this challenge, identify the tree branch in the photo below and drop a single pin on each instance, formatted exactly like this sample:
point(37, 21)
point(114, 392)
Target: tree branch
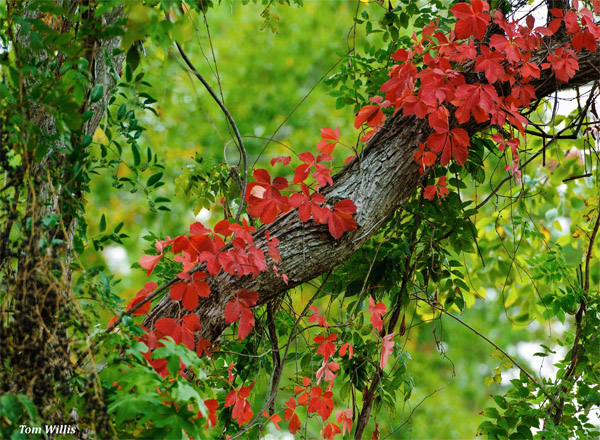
point(378, 183)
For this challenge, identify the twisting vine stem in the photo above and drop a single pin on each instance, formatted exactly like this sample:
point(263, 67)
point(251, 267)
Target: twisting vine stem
point(238, 136)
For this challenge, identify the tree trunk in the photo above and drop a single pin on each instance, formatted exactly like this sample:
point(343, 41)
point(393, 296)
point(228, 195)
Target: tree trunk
point(40, 314)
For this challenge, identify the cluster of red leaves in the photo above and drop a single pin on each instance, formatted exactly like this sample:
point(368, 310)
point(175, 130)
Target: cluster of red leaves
point(266, 202)
point(238, 309)
point(439, 92)
point(438, 189)
point(203, 245)
point(238, 398)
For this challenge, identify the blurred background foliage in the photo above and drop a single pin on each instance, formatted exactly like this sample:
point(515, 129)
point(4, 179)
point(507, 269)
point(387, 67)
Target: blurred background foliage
point(272, 83)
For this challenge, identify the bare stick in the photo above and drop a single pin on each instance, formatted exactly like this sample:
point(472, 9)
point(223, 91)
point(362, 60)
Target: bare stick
point(240, 142)
point(481, 335)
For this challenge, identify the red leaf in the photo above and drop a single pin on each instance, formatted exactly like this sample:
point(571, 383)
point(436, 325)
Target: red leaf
point(241, 412)
point(189, 325)
point(452, 145)
point(203, 347)
point(301, 173)
point(478, 100)
point(556, 12)
point(330, 430)
point(149, 262)
point(571, 23)
point(316, 317)
point(211, 405)
point(272, 244)
point(424, 158)
point(375, 434)
point(188, 291)
point(330, 139)
point(371, 114)
point(223, 228)
point(141, 296)
point(322, 175)
point(387, 346)
point(321, 402)
point(326, 345)
point(327, 370)
point(198, 228)
point(303, 391)
point(168, 327)
point(275, 419)
point(489, 63)
point(283, 159)
point(439, 189)
point(345, 418)
point(564, 64)
point(473, 19)
point(340, 218)
point(376, 311)
point(238, 309)
point(347, 348)
point(263, 196)
point(438, 120)
point(289, 415)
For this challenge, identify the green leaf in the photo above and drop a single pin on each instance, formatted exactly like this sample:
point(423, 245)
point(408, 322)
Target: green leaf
point(102, 226)
point(133, 56)
point(135, 150)
point(97, 93)
point(121, 112)
point(154, 179)
point(173, 364)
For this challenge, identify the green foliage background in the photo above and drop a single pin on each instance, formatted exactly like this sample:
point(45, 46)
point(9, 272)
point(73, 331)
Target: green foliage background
point(526, 248)
point(265, 76)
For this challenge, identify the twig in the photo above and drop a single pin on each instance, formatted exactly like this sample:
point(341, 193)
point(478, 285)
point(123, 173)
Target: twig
point(577, 177)
point(408, 269)
point(277, 365)
point(368, 398)
point(230, 120)
point(270, 139)
point(277, 378)
point(481, 335)
point(570, 371)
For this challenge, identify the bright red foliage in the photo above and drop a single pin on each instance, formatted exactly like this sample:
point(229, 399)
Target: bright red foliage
point(241, 412)
point(182, 330)
point(264, 197)
point(376, 311)
point(330, 138)
point(321, 402)
point(289, 415)
point(190, 289)
point(212, 406)
point(473, 19)
point(149, 262)
point(330, 430)
point(387, 346)
point(340, 218)
point(436, 91)
point(439, 189)
point(326, 345)
point(345, 418)
point(238, 309)
point(141, 296)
